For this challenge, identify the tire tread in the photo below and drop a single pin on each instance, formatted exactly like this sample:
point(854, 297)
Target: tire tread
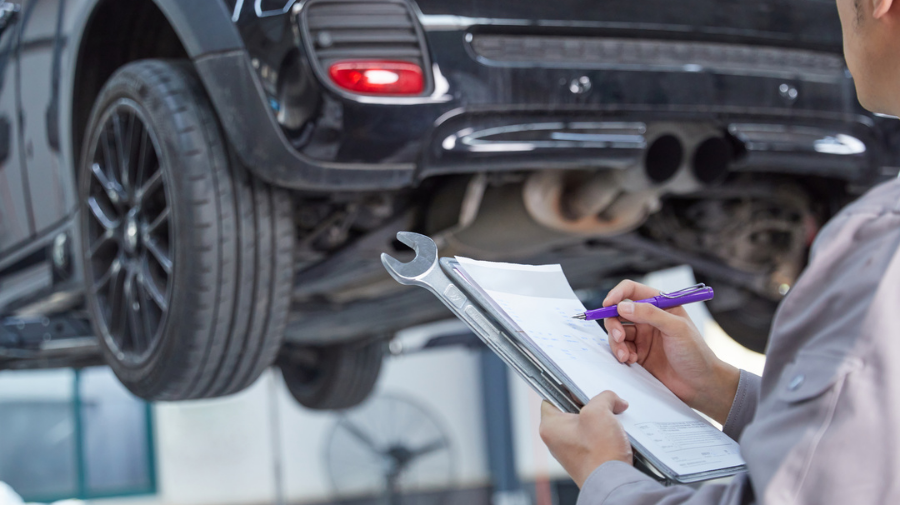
point(224, 335)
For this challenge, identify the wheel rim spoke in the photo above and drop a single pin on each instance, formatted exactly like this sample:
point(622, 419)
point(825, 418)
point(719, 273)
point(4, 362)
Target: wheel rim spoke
point(110, 162)
point(161, 256)
point(142, 156)
point(107, 237)
point(146, 316)
point(163, 217)
point(109, 185)
point(102, 215)
point(153, 291)
point(132, 312)
point(114, 298)
point(104, 279)
point(128, 236)
point(100, 175)
point(121, 154)
point(154, 183)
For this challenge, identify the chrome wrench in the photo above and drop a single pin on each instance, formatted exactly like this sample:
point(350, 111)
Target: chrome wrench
point(424, 271)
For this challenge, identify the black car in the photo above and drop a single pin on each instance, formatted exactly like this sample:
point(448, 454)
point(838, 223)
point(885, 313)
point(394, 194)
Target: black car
point(206, 185)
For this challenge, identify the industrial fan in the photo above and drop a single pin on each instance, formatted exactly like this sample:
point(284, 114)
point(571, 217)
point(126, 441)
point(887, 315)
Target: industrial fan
point(391, 449)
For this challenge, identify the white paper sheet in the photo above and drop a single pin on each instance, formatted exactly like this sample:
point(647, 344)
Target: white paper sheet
point(541, 302)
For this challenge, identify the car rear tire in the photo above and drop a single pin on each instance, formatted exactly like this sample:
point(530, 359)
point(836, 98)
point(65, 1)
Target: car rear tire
point(187, 258)
point(749, 325)
point(747, 322)
point(332, 377)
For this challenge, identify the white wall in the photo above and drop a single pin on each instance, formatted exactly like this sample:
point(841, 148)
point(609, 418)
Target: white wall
point(37, 385)
point(216, 451)
point(223, 452)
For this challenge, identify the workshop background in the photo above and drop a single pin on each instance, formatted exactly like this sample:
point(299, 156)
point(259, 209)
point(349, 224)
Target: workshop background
point(195, 196)
point(79, 434)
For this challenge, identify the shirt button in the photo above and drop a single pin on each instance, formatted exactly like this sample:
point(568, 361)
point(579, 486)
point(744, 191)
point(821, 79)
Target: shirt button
point(796, 382)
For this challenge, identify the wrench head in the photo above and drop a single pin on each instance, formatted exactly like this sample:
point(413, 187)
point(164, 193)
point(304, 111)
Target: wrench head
point(426, 259)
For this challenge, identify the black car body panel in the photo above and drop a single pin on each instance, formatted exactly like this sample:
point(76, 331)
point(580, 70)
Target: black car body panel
point(501, 66)
point(365, 143)
point(203, 27)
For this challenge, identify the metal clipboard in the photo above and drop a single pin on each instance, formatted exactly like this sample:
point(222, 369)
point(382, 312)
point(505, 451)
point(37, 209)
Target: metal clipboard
point(443, 278)
point(543, 380)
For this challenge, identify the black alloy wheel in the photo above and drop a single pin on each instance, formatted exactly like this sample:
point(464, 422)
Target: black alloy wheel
point(187, 258)
point(129, 234)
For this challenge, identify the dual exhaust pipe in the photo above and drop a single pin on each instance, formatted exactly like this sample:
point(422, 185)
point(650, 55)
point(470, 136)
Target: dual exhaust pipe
point(611, 202)
point(709, 162)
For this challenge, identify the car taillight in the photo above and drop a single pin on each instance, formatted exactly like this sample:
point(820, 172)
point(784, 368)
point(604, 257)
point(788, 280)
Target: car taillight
point(378, 77)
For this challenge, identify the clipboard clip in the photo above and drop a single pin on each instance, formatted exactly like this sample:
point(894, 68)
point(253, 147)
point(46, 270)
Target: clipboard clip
point(684, 292)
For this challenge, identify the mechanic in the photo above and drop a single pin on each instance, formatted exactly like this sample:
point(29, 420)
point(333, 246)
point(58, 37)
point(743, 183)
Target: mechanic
point(822, 425)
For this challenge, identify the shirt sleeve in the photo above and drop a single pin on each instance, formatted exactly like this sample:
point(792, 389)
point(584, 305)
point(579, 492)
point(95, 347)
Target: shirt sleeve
point(618, 483)
point(744, 407)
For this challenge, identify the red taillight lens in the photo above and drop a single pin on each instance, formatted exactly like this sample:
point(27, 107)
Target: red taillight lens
point(378, 77)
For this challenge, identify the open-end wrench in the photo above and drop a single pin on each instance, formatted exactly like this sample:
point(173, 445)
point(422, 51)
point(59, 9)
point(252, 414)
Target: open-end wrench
point(424, 271)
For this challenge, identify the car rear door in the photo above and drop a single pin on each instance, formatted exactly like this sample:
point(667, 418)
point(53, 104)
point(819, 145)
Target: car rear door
point(50, 181)
point(15, 221)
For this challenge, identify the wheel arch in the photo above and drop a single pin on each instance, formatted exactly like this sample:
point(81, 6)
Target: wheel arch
point(108, 34)
point(202, 31)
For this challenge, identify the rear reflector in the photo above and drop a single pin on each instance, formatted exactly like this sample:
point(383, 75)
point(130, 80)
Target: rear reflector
point(377, 77)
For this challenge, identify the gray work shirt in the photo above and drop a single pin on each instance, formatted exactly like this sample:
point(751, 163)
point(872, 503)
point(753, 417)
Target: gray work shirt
point(822, 426)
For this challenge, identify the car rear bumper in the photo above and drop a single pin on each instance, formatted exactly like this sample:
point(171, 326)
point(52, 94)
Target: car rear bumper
point(502, 102)
point(830, 145)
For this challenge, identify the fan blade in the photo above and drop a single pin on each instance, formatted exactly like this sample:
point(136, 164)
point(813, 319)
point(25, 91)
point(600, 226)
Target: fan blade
point(429, 448)
point(360, 435)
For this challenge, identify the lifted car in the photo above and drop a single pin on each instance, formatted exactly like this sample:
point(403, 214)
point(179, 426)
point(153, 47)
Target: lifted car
point(209, 183)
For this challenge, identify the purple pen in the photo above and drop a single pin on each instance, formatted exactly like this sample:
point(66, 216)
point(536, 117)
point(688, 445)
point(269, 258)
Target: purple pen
point(696, 293)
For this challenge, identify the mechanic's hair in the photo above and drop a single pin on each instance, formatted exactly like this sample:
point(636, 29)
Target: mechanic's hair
point(858, 5)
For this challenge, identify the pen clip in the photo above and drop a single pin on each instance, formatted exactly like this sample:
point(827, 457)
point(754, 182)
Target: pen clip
point(684, 292)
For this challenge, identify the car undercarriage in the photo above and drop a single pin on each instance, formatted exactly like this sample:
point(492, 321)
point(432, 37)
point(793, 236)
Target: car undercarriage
point(216, 180)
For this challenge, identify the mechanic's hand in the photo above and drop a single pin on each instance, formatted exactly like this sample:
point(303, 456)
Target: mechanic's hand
point(668, 345)
point(582, 442)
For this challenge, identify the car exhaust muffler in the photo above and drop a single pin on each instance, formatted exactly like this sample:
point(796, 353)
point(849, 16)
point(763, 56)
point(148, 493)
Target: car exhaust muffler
point(556, 207)
point(592, 204)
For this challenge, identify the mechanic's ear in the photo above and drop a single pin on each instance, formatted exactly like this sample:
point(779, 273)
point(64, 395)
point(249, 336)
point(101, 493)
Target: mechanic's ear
point(881, 7)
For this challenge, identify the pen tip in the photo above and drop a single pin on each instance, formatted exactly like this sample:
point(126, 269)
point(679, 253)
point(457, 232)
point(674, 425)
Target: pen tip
point(578, 316)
